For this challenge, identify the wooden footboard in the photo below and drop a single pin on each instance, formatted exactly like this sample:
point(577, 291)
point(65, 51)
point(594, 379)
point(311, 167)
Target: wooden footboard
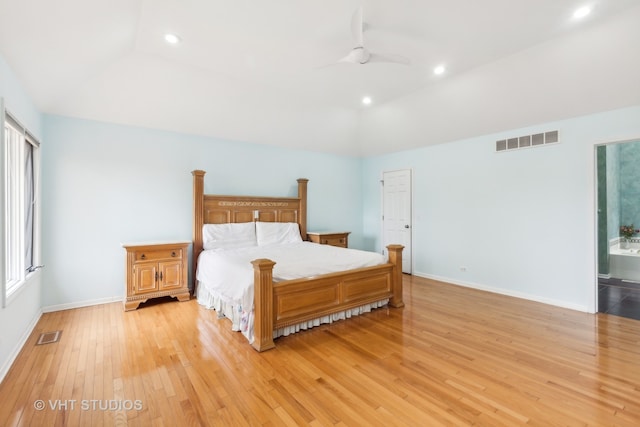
point(287, 303)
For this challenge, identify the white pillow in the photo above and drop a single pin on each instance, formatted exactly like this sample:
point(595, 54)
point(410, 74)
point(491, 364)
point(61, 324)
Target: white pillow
point(231, 235)
point(271, 233)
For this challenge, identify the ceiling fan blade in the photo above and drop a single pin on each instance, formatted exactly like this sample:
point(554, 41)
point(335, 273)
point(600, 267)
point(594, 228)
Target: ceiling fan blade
point(357, 27)
point(358, 55)
point(391, 58)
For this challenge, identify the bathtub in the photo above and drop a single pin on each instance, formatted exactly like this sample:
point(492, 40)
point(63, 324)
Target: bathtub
point(624, 263)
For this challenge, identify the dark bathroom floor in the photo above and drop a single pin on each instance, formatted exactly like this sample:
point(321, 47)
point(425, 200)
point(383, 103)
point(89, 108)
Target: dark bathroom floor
point(619, 297)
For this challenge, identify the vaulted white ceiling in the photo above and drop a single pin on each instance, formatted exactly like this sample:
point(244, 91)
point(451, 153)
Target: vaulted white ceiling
point(266, 71)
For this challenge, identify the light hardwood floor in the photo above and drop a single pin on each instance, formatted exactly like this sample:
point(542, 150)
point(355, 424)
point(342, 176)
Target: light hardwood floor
point(452, 356)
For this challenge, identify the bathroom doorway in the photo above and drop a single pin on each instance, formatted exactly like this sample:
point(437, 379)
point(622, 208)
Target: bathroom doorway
point(618, 198)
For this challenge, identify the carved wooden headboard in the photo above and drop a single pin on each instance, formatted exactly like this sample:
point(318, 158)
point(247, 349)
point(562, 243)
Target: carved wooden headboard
point(220, 209)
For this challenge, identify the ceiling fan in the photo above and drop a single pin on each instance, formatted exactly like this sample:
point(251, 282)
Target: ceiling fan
point(361, 55)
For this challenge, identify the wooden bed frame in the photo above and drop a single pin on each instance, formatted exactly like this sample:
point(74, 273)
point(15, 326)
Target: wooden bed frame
point(286, 303)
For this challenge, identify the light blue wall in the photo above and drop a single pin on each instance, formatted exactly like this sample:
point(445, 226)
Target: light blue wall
point(521, 222)
point(105, 184)
point(20, 315)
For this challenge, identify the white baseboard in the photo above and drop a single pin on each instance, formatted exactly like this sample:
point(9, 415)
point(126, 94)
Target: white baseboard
point(16, 351)
point(60, 307)
point(500, 291)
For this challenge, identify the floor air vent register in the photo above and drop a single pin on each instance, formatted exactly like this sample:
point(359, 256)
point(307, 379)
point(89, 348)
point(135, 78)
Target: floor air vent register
point(49, 337)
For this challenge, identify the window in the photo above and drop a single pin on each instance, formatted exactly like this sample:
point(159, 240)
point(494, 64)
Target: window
point(19, 200)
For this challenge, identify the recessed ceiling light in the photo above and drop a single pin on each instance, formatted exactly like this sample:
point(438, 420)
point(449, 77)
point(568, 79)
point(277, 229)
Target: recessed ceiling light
point(439, 70)
point(366, 100)
point(581, 12)
point(171, 38)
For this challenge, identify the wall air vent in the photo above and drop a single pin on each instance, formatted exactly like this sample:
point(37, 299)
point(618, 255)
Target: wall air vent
point(527, 141)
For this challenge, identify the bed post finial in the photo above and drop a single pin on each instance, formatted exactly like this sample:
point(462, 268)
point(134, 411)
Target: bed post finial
point(302, 195)
point(198, 220)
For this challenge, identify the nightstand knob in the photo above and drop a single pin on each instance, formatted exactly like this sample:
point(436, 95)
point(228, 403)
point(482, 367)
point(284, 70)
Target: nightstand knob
point(143, 256)
point(173, 253)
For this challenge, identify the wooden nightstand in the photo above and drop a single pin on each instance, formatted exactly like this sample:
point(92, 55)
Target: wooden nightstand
point(155, 270)
point(334, 238)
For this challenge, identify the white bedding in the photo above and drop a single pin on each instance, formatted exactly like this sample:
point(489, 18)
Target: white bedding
point(225, 276)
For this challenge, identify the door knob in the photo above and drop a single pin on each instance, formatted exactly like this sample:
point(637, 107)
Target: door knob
point(406, 226)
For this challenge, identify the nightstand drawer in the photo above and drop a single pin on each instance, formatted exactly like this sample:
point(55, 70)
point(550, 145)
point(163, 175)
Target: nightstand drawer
point(340, 239)
point(334, 241)
point(154, 254)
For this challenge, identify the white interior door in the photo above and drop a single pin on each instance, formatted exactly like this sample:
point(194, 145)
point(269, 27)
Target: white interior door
point(396, 216)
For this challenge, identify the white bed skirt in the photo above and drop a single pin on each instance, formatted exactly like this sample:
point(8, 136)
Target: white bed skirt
point(244, 323)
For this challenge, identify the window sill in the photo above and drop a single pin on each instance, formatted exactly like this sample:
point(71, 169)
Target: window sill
point(31, 277)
